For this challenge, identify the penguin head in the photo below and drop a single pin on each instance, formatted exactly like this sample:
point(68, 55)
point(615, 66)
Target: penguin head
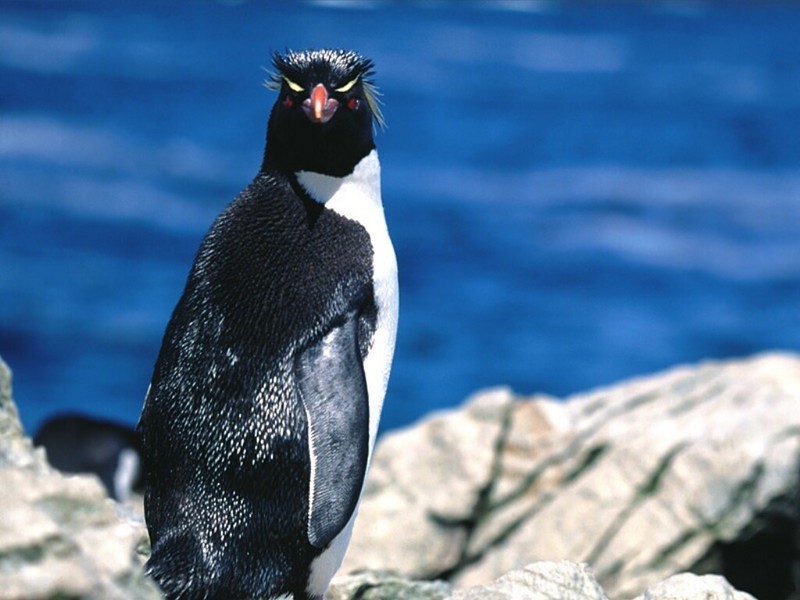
point(322, 120)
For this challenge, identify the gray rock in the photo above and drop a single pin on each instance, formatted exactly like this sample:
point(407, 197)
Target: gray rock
point(480, 475)
point(687, 585)
point(376, 585)
point(540, 581)
point(15, 448)
point(563, 580)
point(641, 480)
point(60, 537)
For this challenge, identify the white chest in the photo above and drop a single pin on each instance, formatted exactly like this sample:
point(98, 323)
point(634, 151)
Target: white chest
point(358, 197)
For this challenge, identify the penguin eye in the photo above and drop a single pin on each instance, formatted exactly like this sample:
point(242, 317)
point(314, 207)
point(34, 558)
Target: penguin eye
point(347, 86)
point(295, 87)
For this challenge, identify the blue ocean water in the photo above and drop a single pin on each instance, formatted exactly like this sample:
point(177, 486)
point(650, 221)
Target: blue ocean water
point(577, 193)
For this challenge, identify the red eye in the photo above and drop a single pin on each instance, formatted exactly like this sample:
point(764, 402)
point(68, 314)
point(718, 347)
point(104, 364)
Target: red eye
point(353, 103)
point(288, 103)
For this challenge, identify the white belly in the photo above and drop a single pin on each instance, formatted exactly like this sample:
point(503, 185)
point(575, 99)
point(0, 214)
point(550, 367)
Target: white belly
point(358, 197)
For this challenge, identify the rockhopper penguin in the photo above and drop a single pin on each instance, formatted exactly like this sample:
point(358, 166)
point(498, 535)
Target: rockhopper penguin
point(77, 443)
point(259, 423)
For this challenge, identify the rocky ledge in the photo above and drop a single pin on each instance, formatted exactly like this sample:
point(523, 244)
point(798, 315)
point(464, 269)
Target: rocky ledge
point(61, 537)
point(664, 487)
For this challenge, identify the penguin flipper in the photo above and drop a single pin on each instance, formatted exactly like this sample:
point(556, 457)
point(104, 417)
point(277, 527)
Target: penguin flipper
point(333, 389)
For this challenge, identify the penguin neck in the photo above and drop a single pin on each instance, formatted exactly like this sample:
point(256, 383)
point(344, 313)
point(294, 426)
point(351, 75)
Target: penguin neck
point(346, 195)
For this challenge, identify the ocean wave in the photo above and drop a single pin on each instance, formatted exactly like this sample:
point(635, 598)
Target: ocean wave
point(49, 49)
point(737, 224)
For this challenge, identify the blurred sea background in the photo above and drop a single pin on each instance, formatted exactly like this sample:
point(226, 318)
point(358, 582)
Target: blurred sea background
point(577, 192)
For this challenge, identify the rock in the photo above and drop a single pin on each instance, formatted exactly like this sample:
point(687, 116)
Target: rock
point(687, 585)
point(60, 537)
point(376, 585)
point(563, 580)
point(15, 448)
point(695, 469)
point(484, 475)
point(540, 581)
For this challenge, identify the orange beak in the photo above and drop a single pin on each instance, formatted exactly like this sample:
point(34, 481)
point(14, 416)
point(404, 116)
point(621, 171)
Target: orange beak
point(319, 107)
point(319, 98)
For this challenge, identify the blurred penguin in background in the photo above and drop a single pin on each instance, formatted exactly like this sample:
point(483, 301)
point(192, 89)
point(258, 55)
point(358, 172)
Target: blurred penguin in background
point(81, 444)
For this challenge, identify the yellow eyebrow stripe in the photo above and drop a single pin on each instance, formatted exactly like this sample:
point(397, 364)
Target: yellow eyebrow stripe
point(295, 87)
point(347, 86)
